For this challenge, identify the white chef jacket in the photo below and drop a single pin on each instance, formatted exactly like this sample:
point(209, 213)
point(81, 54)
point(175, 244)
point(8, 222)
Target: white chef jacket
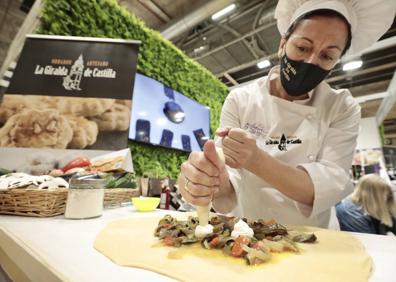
point(320, 136)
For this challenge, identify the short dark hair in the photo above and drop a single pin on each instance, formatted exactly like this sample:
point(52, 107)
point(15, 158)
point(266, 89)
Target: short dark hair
point(325, 13)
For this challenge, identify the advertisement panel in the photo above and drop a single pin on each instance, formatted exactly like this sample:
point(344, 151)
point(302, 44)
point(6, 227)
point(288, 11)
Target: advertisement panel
point(68, 96)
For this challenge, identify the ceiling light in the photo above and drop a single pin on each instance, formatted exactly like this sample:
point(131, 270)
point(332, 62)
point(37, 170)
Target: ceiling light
point(201, 49)
point(223, 12)
point(352, 65)
point(375, 96)
point(263, 64)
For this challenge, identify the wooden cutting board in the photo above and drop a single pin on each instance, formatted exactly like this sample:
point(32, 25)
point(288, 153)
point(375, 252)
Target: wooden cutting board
point(337, 256)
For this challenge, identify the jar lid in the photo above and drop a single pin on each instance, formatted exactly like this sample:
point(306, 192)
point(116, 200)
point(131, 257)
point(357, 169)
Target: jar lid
point(86, 183)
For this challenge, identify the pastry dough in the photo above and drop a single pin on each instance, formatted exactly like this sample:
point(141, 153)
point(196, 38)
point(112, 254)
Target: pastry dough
point(84, 132)
point(116, 118)
point(108, 164)
point(36, 129)
point(77, 106)
point(13, 104)
point(85, 116)
point(338, 256)
point(124, 102)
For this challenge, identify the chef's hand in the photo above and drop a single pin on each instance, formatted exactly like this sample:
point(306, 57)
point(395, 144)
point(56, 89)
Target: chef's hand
point(202, 176)
point(239, 147)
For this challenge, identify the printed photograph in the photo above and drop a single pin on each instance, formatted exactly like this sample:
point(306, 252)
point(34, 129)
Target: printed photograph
point(56, 122)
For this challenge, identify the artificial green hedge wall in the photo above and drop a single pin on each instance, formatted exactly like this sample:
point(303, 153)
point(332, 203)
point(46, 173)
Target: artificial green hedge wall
point(158, 58)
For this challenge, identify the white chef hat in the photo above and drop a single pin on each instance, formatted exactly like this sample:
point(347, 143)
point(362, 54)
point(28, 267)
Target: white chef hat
point(369, 19)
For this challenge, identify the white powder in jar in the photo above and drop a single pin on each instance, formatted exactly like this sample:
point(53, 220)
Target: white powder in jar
point(85, 199)
point(84, 203)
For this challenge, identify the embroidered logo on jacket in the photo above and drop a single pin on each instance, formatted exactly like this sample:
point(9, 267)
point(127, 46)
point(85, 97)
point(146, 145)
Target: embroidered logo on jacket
point(256, 129)
point(283, 141)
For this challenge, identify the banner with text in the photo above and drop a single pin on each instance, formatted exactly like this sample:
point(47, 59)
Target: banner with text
point(68, 94)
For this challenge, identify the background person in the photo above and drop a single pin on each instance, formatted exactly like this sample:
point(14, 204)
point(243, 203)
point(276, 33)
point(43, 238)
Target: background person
point(370, 209)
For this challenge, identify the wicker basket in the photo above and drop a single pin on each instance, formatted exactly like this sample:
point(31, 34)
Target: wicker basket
point(114, 197)
point(38, 203)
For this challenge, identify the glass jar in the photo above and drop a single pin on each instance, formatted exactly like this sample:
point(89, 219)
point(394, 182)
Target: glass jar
point(85, 198)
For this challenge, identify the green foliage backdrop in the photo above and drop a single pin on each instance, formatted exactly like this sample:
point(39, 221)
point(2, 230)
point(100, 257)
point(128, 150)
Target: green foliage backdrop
point(158, 58)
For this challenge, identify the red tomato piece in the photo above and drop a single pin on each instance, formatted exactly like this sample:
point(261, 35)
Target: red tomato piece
point(237, 250)
point(168, 241)
point(214, 243)
point(78, 162)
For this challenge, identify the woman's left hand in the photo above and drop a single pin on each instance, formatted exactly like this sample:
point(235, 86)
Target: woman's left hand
point(239, 147)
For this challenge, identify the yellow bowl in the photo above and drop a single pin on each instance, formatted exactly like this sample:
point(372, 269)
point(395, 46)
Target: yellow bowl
point(145, 203)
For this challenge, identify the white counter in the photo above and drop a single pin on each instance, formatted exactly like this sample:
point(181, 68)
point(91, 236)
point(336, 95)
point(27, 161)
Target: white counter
point(57, 249)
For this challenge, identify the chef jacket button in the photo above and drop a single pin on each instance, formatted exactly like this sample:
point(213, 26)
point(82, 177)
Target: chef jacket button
point(309, 117)
point(311, 157)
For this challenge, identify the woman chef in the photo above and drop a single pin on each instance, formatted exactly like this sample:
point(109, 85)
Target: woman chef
point(288, 138)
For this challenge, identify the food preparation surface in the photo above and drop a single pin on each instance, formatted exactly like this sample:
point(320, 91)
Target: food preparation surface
point(56, 247)
point(336, 254)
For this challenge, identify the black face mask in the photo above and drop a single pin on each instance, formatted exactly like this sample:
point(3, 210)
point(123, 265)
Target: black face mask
point(298, 77)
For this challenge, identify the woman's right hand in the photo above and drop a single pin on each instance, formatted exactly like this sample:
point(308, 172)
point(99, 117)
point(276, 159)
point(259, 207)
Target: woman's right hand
point(203, 175)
